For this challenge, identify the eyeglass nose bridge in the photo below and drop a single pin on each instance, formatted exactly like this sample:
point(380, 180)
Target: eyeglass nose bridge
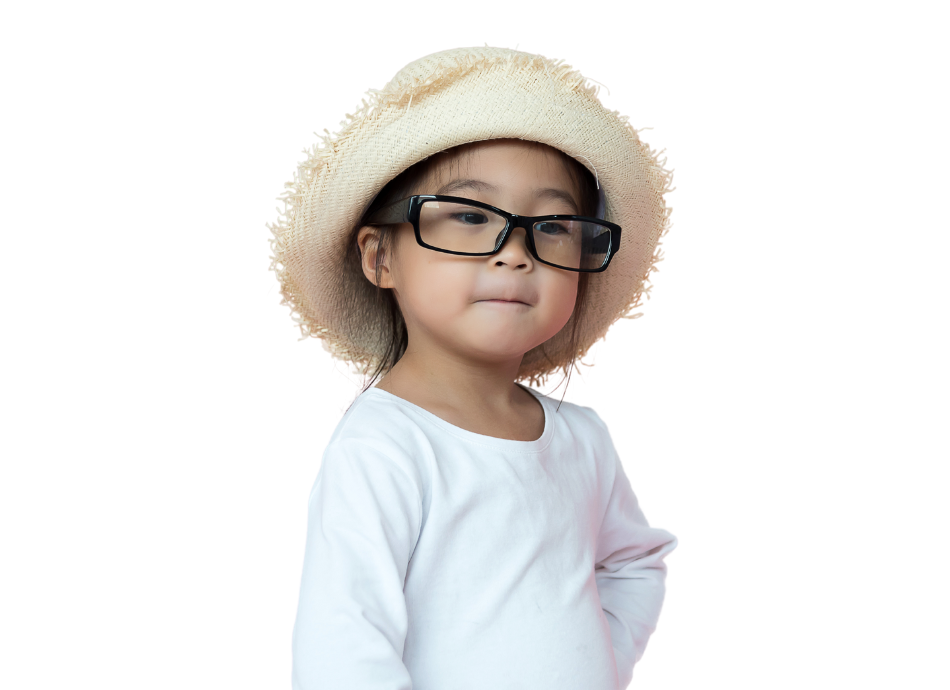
point(516, 221)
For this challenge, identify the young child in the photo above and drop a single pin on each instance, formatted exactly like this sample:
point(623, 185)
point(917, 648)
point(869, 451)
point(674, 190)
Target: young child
point(460, 234)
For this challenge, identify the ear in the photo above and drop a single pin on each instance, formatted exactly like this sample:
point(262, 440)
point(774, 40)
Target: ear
point(368, 240)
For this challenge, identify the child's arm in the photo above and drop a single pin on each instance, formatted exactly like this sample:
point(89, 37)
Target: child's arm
point(364, 519)
point(630, 574)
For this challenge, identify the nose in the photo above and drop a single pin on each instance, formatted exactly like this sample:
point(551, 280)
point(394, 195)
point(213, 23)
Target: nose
point(515, 252)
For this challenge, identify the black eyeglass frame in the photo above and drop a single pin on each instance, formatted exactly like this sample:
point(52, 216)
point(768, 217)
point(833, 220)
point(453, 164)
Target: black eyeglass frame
point(408, 210)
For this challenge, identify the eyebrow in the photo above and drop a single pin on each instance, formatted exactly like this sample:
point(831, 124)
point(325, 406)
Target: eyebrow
point(473, 185)
point(557, 195)
point(480, 186)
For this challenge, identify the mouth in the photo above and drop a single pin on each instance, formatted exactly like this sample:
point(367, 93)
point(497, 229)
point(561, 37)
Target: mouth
point(503, 301)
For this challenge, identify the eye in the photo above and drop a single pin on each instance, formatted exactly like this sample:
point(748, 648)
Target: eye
point(549, 227)
point(470, 218)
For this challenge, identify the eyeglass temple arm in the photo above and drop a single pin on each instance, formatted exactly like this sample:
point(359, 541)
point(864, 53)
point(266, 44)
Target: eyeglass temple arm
point(394, 213)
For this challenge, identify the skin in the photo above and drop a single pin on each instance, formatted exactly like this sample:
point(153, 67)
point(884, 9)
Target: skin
point(470, 320)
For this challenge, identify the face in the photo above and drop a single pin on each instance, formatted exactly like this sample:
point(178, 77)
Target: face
point(484, 308)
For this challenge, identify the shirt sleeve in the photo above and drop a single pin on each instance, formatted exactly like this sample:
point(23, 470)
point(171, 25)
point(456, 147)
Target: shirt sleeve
point(630, 574)
point(365, 516)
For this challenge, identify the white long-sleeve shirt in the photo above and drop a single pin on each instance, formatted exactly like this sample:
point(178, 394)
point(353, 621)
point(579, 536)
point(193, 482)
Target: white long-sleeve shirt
point(441, 559)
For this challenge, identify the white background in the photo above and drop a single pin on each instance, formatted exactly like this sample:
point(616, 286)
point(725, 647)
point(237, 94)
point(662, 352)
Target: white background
point(782, 407)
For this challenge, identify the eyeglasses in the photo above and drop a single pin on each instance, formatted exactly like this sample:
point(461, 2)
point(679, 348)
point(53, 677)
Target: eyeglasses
point(460, 226)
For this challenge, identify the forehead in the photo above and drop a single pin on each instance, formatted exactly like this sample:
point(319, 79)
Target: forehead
point(505, 162)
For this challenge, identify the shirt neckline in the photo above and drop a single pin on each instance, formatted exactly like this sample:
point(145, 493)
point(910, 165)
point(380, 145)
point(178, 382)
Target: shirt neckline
point(538, 444)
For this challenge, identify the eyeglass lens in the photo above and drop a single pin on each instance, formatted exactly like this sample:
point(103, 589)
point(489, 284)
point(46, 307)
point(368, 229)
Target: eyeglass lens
point(460, 227)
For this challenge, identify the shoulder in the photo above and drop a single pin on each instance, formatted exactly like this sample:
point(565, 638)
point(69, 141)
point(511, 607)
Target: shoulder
point(573, 415)
point(377, 431)
point(585, 433)
point(378, 418)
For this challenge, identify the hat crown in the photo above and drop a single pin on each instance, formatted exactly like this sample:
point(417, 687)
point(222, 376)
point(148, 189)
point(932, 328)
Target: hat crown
point(433, 72)
point(449, 62)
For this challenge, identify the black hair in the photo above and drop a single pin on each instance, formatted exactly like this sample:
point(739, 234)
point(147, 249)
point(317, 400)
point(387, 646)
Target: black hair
point(396, 337)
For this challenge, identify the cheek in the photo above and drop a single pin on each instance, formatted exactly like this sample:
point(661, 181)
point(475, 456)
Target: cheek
point(563, 295)
point(430, 288)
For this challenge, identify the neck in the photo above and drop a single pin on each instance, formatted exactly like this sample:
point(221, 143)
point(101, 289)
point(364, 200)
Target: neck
point(435, 377)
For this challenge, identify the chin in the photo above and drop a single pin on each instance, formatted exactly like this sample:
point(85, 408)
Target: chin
point(494, 353)
point(502, 348)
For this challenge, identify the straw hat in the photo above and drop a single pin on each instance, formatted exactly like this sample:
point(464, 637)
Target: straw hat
point(443, 100)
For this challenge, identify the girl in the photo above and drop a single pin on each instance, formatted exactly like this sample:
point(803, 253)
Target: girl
point(460, 234)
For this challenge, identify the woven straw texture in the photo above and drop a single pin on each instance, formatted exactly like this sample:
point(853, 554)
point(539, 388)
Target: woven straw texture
point(437, 102)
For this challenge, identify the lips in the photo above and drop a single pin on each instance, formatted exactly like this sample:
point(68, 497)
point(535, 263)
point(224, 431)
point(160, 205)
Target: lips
point(510, 292)
point(509, 299)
